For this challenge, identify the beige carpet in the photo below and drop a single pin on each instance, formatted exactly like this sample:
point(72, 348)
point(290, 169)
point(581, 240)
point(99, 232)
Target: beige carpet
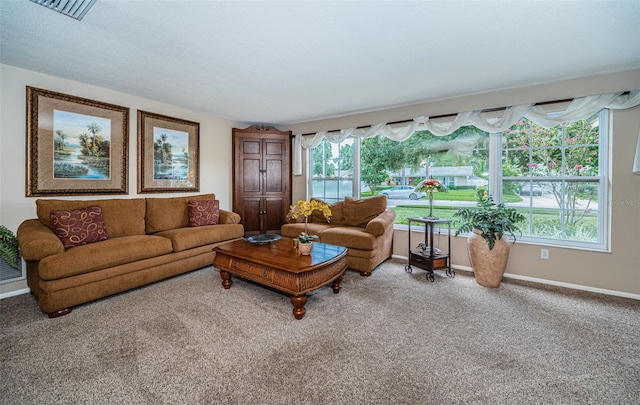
point(392, 338)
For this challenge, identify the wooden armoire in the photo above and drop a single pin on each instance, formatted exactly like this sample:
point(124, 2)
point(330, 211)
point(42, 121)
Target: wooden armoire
point(262, 178)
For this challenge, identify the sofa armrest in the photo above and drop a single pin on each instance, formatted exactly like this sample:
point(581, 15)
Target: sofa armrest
point(229, 217)
point(37, 240)
point(381, 223)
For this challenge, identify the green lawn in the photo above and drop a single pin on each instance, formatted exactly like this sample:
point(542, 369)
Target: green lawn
point(455, 195)
point(546, 222)
point(408, 211)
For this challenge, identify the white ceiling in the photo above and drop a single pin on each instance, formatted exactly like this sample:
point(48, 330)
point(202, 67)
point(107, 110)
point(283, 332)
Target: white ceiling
point(290, 62)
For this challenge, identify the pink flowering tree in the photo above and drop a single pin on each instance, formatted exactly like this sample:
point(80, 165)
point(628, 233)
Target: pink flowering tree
point(568, 151)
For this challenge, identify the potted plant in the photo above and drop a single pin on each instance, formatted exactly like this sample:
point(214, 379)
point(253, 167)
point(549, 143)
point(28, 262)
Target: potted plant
point(9, 248)
point(487, 224)
point(306, 208)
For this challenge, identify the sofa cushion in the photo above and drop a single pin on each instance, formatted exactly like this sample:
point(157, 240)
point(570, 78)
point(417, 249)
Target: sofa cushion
point(79, 227)
point(294, 230)
point(203, 213)
point(360, 212)
point(102, 255)
point(122, 217)
point(229, 217)
point(190, 237)
point(350, 237)
point(170, 213)
point(337, 213)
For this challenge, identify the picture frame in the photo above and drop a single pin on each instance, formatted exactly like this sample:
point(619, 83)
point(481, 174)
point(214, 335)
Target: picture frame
point(168, 154)
point(75, 146)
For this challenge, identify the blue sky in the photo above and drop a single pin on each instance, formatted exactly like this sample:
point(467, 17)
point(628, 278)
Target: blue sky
point(73, 125)
point(179, 140)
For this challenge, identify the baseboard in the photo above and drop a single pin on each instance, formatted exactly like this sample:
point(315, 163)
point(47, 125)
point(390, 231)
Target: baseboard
point(548, 282)
point(14, 293)
point(470, 270)
point(574, 286)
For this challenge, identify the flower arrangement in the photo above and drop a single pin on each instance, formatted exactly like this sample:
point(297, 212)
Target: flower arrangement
point(306, 209)
point(431, 185)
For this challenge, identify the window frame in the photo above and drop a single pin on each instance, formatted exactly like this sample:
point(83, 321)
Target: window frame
point(495, 181)
point(355, 178)
point(603, 180)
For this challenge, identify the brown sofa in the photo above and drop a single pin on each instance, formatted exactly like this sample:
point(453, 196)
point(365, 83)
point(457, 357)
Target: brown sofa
point(363, 226)
point(148, 240)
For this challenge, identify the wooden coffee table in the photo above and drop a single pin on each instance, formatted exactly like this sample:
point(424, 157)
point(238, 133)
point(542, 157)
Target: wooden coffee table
point(278, 265)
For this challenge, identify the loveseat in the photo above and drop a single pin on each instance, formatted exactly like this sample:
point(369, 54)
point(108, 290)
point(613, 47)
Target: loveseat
point(139, 241)
point(364, 227)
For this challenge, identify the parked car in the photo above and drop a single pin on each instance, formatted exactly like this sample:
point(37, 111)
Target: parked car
point(409, 192)
point(531, 189)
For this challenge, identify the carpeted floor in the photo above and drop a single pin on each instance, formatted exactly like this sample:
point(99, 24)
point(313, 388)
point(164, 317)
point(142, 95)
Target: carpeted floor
point(392, 338)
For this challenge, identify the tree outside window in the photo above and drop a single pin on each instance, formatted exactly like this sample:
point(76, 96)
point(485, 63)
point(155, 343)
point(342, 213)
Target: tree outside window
point(555, 176)
point(562, 164)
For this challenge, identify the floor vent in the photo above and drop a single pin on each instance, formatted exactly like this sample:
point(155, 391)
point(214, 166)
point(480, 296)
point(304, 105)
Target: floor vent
point(72, 8)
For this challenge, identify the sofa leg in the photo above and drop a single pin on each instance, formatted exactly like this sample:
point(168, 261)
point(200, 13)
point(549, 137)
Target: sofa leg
point(365, 273)
point(59, 313)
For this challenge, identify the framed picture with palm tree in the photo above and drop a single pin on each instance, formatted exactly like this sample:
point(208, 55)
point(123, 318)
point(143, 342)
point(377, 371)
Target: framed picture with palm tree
point(75, 145)
point(168, 154)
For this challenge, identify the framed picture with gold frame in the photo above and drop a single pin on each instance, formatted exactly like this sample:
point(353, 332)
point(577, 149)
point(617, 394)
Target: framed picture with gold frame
point(168, 154)
point(75, 146)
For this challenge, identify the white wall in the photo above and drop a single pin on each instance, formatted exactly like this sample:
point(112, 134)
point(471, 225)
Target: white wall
point(617, 271)
point(215, 144)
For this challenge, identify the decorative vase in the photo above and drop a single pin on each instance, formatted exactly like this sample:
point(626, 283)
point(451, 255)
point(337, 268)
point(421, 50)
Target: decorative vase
point(488, 265)
point(305, 248)
point(431, 216)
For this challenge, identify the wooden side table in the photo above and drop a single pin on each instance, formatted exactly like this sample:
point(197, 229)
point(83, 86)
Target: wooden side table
point(426, 256)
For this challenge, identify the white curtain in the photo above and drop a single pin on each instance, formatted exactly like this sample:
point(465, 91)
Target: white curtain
point(579, 108)
point(636, 161)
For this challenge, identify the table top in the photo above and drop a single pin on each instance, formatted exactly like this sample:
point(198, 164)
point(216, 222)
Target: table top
point(427, 220)
point(282, 254)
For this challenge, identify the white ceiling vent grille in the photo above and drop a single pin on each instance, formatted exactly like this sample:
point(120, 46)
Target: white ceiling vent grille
point(72, 8)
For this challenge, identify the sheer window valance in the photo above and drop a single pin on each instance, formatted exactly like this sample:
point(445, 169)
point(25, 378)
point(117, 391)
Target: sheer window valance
point(579, 108)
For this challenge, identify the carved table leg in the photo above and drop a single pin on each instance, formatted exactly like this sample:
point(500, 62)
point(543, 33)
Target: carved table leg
point(298, 305)
point(226, 279)
point(336, 284)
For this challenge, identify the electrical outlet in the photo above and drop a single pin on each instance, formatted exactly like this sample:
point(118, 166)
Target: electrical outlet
point(544, 254)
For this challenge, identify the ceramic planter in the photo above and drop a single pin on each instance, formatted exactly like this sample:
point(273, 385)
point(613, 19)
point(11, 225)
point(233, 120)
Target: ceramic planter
point(305, 248)
point(488, 265)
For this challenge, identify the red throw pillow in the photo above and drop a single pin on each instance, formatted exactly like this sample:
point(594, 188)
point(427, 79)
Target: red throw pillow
point(79, 227)
point(203, 212)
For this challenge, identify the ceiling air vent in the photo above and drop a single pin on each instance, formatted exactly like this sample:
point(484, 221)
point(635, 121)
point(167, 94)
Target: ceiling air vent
point(72, 8)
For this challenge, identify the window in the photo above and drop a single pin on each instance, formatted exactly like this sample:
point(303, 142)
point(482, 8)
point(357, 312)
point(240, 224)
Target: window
point(559, 173)
point(460, 161)
point(332, 165)
point(555, 176)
